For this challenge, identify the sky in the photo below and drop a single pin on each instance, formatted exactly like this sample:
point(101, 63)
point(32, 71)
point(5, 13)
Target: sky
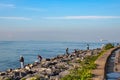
point(59, 20)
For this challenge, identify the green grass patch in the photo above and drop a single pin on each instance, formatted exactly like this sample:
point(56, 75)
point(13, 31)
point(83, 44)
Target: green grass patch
point(108, 46)
point(84, 71)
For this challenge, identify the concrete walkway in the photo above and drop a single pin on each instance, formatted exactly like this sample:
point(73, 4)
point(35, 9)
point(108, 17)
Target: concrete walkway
point(99, 72)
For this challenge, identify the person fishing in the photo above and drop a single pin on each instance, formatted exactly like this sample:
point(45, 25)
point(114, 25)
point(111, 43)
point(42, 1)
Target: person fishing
point(87, 46)
point(67, 51)
point(39, 58)
point(21, 61)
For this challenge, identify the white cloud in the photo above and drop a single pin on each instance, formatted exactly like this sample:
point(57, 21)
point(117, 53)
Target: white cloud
point(7, 6)
point(35, 9)
point(83, 17)
point(16, 18)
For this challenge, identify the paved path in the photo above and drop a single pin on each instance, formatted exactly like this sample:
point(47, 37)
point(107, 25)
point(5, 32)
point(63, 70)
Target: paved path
point(99, 72)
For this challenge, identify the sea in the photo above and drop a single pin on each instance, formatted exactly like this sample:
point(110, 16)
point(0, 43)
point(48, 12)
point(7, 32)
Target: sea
point(10, 51)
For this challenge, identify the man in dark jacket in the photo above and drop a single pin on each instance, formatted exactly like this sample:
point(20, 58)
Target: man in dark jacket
point(22, 61)
point(67, 51)
point(39, 58)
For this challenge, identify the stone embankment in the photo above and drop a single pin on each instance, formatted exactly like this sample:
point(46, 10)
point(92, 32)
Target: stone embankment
point(99, 72)
point(50, 69)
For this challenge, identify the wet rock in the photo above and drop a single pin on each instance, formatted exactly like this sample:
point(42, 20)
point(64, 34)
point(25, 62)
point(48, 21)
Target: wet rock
point(47, 59)
point(2, 73)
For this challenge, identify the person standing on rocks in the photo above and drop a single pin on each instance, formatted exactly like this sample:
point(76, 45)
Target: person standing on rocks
point(87, 46)
point(39, 58)
point(22, 61)
point(75, 50)
point(67, 51)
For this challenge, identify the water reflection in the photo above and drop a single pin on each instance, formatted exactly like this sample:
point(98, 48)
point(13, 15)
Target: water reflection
point(112, 74)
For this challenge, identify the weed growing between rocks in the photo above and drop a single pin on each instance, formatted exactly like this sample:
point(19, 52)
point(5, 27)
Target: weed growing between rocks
point(83, 72)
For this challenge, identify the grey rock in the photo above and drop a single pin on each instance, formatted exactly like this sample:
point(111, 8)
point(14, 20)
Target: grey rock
point(54, 78)
point(64, 73)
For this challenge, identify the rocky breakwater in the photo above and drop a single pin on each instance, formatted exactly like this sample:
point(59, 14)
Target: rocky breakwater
point(49, 69)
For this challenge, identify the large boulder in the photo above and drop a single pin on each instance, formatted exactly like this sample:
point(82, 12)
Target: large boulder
point(64, 73)
point(54, 78)
point(2, 73)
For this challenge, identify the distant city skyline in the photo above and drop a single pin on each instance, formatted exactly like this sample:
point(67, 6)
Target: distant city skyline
point(59, 20)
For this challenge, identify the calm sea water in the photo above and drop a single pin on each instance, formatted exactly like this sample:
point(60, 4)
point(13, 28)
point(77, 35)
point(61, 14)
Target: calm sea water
point(10, 51)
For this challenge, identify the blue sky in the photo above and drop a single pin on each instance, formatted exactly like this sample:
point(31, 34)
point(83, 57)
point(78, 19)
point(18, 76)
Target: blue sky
point(60, 20)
